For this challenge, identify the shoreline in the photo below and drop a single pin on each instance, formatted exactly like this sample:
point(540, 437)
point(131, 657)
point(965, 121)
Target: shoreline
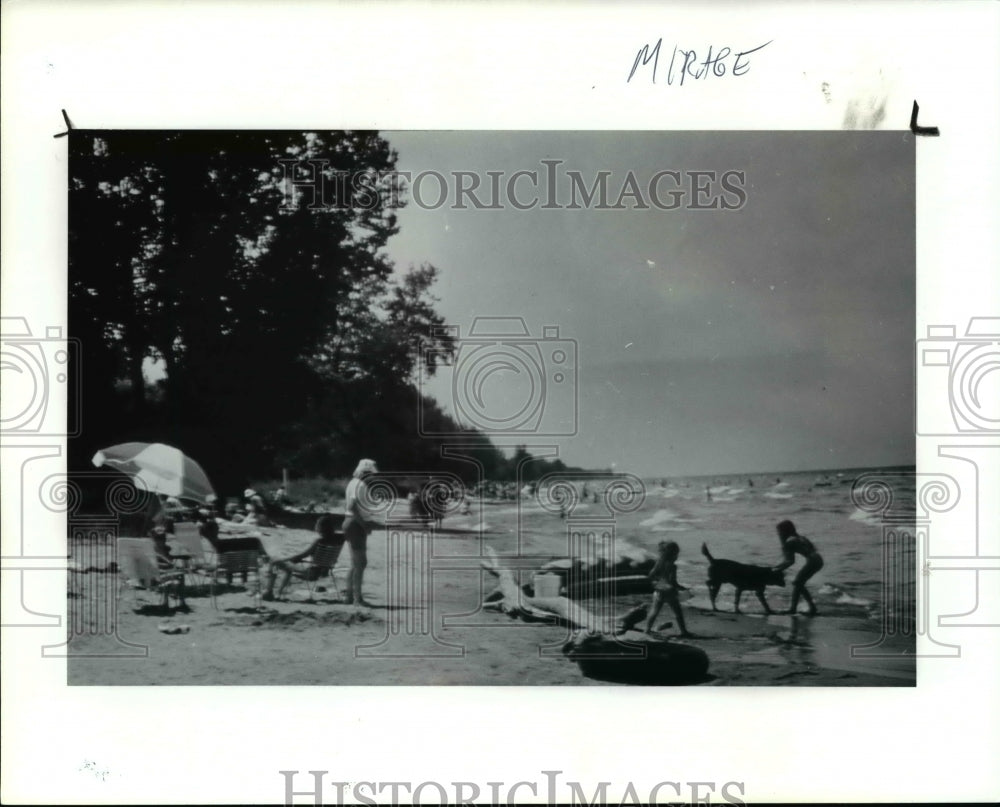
point(438, 636)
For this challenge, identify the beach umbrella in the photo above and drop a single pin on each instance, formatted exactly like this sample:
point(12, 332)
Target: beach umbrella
point(158, 468)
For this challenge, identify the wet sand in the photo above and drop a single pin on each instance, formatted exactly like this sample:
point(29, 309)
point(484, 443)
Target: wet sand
point(418, 634)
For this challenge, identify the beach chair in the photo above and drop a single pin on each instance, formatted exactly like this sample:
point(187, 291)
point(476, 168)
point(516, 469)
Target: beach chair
point(139, 570)
point(321, 565)
point(217, 563)
point(243, 562)
point(200, 565)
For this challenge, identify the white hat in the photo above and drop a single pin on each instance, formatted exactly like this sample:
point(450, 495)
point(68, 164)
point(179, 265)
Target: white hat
point(249, 493)
point(365, 467)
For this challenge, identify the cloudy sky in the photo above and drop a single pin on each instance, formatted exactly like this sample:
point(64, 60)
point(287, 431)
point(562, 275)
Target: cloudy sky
point(775, 337)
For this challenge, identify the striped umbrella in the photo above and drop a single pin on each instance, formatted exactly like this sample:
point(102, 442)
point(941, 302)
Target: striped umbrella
point(158, 468)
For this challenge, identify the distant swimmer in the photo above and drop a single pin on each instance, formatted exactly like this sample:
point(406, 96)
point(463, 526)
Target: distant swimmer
point(791, 544)
point(708, 494)
point(750, 482)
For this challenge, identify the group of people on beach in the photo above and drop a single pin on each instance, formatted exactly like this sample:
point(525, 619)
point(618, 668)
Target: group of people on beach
point(359, 521)
point(666, 589)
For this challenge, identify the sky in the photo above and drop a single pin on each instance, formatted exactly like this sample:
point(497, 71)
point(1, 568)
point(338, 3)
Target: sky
point(778, 336)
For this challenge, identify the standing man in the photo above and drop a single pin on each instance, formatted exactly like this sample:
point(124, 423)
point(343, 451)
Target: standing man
point(359, 521)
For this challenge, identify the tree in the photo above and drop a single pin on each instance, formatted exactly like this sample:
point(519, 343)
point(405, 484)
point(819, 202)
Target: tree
point(187, 250)
point(250, 269)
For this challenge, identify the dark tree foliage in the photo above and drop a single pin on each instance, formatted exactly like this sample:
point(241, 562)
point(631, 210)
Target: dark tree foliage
point(252, 325)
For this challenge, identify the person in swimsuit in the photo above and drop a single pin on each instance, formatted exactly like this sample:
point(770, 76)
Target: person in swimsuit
point(791, 544)
point(665, 586)
point(359, 521)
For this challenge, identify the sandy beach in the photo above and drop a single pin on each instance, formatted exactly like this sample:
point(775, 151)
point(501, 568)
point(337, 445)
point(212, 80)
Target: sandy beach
point(418, 635)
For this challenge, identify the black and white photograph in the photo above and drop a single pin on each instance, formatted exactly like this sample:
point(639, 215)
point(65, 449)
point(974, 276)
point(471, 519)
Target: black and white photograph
point(493, 407)
point(411, 403)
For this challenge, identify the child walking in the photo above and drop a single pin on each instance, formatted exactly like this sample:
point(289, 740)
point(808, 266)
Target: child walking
point(665, 586)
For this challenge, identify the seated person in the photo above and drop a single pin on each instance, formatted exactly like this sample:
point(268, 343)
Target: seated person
point(252, 517)
point(326, 536)
point(233, 513)
point(257, 514)
point(208, 528)
point(175, 508)
point(265, 512)
point(418, 507)
point(153, 515)
point(170, 577)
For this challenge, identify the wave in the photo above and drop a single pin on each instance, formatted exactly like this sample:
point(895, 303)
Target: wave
point(773, 495)
point(848, 599)
point(659, 517)
point(809, 508)
point(871, 519)
point(725, 490)
point(469, 525)
point(843, 597)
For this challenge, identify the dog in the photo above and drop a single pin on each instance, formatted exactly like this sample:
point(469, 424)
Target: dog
point(743, 576)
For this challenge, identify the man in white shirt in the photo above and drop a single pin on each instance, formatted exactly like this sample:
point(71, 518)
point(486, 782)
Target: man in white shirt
point(359, 520)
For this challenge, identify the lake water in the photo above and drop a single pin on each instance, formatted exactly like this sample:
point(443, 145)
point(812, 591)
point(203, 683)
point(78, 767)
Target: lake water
point(867, 572)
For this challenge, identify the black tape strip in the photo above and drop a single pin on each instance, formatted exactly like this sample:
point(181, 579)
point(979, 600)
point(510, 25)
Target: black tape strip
point(922, 131)
point(69, 125)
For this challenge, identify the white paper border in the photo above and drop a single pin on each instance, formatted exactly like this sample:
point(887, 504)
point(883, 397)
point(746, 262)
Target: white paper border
point(519, 66)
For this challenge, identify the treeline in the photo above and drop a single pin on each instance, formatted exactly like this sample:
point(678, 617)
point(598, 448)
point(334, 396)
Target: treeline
point(252, 333)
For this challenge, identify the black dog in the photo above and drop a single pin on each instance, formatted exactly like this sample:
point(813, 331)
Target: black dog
point(743, 576)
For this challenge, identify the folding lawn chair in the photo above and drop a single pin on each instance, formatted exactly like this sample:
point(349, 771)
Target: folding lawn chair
point(322, 564)
point(244, 562)
point(189, 537)
point(139, 569)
